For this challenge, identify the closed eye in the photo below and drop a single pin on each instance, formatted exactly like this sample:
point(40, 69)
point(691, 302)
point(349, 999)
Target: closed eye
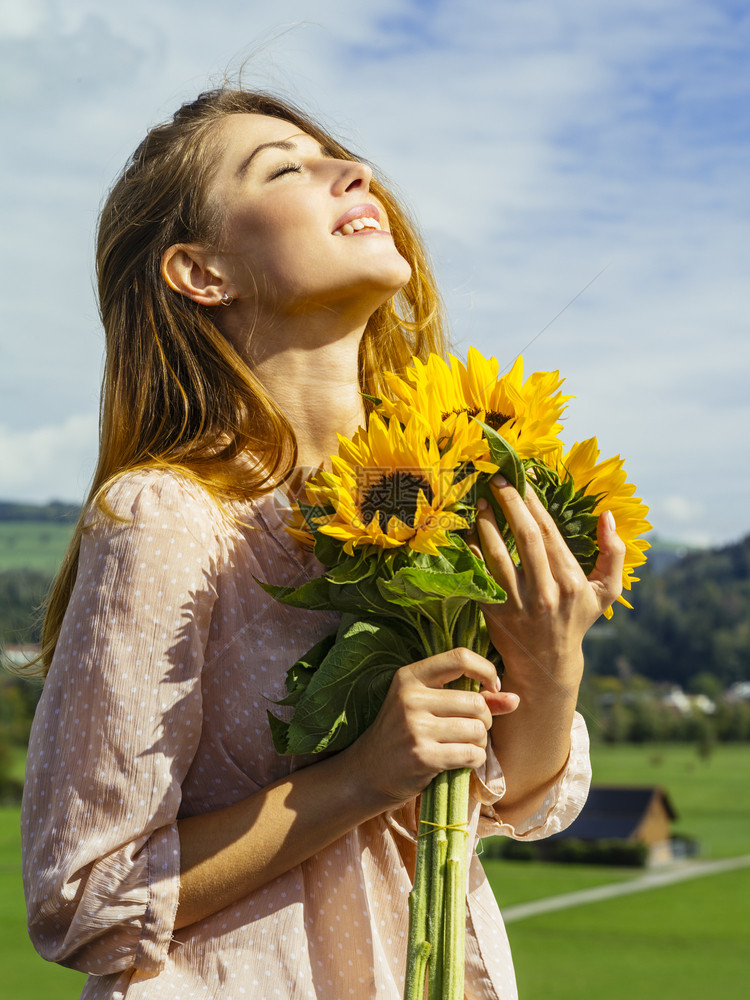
point(286, 168)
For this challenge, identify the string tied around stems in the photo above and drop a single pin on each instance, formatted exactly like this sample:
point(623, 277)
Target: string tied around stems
point(458, 827)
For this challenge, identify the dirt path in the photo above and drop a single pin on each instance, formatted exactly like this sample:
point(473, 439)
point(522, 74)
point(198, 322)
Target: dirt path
point(652, 880)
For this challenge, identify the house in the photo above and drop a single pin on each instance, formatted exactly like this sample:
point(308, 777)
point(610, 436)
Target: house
point(630, 813)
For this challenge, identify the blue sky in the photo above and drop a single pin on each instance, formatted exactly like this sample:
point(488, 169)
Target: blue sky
point(540, 144)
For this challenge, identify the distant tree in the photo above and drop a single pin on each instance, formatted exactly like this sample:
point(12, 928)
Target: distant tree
point(18, 701)
point(732, 720)
point(648, 722)
point(690, 619)
point(618, 721)
point(10, 787)
point(54, 511)
point(22, 591)
point(707, 684)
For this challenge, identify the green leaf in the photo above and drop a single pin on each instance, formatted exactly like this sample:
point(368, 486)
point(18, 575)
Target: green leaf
point(327, 550)
point(505, 457)
point(302, 672)
point(412, 585)
point(458, 558)
point(313, 595)
point(279, 731)
point(349, 687)
point(360, 599)
point(354, 569)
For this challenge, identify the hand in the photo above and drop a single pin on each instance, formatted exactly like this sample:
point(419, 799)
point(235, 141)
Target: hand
point(424, 728)
point(551, 603)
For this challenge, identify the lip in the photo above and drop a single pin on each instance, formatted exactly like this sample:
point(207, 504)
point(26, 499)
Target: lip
point(359, 212)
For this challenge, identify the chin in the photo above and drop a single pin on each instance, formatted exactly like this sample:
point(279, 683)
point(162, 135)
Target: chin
point(400, 276)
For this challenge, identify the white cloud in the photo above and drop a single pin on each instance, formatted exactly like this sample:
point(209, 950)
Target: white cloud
point(22, 18)
point(54, 461)
point(683, 510)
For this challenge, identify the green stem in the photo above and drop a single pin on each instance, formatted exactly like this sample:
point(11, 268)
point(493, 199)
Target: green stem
point(446, 628)
point(427, 642)
point(454, 932)
point(435, 830)
point(418, 948)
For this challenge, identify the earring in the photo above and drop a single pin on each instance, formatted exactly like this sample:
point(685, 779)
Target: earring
point(227, 299)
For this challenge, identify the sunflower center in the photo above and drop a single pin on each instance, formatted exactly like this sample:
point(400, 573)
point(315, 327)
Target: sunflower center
point(495, 419)
point(491, 417)
point(393, 493)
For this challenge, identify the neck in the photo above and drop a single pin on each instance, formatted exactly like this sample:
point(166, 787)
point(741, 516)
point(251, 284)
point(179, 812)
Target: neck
point(309, 366)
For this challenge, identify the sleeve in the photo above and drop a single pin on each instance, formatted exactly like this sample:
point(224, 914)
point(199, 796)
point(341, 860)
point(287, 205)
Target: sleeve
point(116, 730)
point(563, 802)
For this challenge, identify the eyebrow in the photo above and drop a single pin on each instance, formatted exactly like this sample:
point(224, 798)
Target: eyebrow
point(286, 144)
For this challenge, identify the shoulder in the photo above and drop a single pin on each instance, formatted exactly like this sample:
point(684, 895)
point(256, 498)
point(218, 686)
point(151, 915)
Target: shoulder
point(157, 502)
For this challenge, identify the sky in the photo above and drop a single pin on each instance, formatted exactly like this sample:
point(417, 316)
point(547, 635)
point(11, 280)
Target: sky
point(579, 171)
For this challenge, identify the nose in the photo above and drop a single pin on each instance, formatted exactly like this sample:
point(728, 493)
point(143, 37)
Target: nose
point(352, 176)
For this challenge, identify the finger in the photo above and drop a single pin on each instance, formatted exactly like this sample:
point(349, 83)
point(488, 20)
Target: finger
point(528, 534)
point(442, 668)
point(450, 703)
point(563, 565)
point(451, 756)
point(495, 552)
point(558, 551)
point(501, 704)
point(606, 576)
point(461, 731)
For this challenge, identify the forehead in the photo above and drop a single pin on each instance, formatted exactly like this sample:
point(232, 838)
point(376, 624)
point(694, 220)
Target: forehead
point(257, 128)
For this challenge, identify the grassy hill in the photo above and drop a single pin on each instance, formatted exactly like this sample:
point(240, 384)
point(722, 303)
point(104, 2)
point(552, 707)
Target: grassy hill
point(35, 537)
point(33, 545)
point(33, 541)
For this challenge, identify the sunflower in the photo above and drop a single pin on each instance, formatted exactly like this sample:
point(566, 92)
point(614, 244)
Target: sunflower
point(607, 481)
point(390, 486)
point(527, 414)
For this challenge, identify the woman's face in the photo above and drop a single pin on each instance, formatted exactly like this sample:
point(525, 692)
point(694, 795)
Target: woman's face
point(301, 230)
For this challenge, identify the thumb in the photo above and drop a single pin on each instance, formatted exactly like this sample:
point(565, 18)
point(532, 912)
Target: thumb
point(606, 576)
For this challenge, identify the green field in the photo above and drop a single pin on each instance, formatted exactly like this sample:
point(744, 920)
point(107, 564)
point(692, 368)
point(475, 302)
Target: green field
point(37, 545)
point(711, 796)
point(25, 976)
point(686, 941)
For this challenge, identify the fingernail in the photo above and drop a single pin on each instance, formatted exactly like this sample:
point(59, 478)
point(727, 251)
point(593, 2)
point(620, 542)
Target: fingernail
point(482, 504)
point(610, 520)
point(498, 684)
point(499, 481)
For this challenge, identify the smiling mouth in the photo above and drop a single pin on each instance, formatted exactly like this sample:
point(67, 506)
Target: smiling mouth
point(357, 226)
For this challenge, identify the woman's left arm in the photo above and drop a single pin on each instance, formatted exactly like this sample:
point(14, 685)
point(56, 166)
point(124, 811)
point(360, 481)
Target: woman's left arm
point(539, 632)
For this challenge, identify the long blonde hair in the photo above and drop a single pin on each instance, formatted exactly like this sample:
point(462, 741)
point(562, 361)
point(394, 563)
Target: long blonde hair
point(175, 393)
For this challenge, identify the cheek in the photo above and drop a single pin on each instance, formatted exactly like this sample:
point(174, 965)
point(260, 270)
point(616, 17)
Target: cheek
point(280, 237)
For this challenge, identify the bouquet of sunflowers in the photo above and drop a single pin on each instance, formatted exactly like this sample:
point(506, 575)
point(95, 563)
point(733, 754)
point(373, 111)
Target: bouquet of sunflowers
point(389, 525)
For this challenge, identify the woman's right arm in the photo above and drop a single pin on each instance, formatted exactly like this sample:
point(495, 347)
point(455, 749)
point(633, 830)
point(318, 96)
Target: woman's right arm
point(422, 729)
point(117, 729)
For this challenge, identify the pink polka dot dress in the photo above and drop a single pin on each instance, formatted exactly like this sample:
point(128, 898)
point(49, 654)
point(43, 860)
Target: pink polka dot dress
point(155, 709)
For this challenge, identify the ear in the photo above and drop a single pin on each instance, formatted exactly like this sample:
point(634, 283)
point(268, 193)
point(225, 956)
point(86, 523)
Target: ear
point(192, 272)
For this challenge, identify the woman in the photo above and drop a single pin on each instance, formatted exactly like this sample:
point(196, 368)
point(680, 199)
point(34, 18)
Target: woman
point(250, 270)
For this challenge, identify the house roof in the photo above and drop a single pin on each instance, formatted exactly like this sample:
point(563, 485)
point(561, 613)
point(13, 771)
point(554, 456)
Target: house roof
point(614, 812)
